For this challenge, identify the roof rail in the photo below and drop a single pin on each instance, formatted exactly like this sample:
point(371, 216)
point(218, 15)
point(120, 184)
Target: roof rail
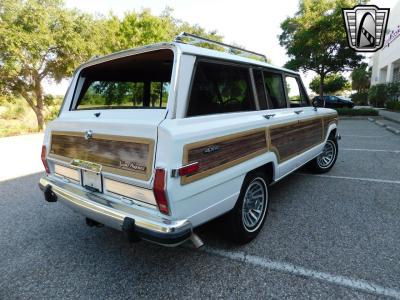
point(192, 39)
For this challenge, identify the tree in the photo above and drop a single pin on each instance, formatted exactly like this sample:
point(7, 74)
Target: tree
point(41, 40)
point(143, 28)
point(315, 39)
point(333, 83)
point(361, 78)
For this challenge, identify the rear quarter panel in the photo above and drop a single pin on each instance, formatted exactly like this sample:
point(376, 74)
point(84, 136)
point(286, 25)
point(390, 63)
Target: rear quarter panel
point(210, 196)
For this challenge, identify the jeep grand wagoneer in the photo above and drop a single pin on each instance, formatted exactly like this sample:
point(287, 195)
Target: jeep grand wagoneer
point(158, 140)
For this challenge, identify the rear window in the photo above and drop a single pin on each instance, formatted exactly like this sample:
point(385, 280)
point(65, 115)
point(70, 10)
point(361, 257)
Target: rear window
point(220, 88)
point(138, 81)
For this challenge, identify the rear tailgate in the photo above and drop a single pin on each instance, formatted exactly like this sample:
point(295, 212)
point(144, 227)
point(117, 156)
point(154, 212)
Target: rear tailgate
point(121, 141)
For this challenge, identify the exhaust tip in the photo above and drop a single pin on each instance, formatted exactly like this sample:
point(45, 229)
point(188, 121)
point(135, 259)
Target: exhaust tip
point(196, 240)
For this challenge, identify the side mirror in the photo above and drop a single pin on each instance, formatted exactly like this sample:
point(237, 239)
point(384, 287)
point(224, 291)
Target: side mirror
point(315, 104)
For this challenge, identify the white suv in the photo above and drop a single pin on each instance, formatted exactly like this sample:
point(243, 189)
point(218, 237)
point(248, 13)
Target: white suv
point(158, 140)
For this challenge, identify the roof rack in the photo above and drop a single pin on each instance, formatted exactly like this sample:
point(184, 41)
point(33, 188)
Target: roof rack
point(192, 39)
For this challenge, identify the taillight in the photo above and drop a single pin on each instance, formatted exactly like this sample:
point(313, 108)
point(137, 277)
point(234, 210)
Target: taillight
point(159, 191)
point(188, 169)
point(44, 161)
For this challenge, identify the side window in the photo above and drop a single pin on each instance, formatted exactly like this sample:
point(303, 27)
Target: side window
point(260, 88)
point(219, 88)
point(295, 93)
point(275, 91)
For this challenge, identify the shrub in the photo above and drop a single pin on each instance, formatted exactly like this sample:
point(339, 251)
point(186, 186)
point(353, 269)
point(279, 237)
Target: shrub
point(14, 111)
point(393, 90)
point(360, 98)
point(52, 113)
point(378, 95)
point(357, 112)
point(393, 105)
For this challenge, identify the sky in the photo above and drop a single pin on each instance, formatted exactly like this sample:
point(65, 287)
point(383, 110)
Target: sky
point(252, 24)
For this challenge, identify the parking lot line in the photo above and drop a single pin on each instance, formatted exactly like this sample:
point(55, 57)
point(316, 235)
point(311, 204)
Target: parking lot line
point(289, 268)
point(365, 136)
point(351, 178)
point(370, 150)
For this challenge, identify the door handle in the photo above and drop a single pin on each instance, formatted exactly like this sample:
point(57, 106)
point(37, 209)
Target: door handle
point(268, 116)
point(298, 111)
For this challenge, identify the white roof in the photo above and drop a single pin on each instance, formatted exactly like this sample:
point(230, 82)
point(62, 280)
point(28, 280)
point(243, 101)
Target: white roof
point(187, 49)
point(194, 50)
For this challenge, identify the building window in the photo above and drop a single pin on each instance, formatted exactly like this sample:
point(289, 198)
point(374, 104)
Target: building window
point(396, 74)
point(383, 75)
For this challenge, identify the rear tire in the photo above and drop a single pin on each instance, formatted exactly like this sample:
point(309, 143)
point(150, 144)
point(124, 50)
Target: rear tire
point(326, 160)
point(247, 218)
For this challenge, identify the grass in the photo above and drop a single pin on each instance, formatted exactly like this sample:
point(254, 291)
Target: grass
point(18, 118)
point(357, 112)
point(13, 127)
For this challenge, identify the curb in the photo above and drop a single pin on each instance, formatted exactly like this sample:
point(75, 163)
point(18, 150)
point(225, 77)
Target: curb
point(357, 117)
point(391, 119)
point(388, 128)
point(380, 123)
point(394, 130)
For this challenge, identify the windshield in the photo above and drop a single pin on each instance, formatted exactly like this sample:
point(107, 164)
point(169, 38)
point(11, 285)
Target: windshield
point(138, 81)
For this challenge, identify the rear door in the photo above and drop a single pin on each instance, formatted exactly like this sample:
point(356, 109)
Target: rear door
point(108, 126)
point(280, 120)
point(309, 131)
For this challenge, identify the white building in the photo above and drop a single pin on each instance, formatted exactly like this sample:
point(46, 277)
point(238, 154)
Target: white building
point(386, 62)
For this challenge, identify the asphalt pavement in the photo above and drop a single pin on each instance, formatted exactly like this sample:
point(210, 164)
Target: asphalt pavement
point(327, 237)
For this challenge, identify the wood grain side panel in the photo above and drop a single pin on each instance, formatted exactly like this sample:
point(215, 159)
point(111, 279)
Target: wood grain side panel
point(232, 150)
point(289, 140)
point(120, 155)
point(327, 120)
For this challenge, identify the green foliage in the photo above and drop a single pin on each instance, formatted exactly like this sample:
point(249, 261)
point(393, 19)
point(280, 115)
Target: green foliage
point(143, 28)
point(360, 98)
point(332, 84)
point(315, 38)
point(16, 117)
point(10, 128)
point(361, 78)
point(42, 39)
point(379, 94)
point(52, 113)
point(393, 105)
point(109, 93)
point(357, 112)
point(13, 111)
point(393, 90)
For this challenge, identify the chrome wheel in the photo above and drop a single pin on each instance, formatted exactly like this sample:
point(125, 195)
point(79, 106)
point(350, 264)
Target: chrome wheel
point(254, 204)
point(328, 155)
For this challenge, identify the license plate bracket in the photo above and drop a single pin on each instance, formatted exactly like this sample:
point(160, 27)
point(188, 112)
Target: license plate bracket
point(92, 181)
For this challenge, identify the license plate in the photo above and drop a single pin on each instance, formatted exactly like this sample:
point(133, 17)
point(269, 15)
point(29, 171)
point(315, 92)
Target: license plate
point(91, 180)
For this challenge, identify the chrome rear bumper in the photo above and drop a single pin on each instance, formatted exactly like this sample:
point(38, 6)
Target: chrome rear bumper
point(132, 220)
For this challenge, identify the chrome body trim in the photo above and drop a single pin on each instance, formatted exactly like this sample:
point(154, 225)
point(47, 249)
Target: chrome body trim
point(111, 213)
point(130, 191)
point(67, 172)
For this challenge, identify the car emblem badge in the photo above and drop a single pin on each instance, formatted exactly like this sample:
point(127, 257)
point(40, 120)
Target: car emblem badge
point(211, 149)
point(88, 134)
point(366, 27)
